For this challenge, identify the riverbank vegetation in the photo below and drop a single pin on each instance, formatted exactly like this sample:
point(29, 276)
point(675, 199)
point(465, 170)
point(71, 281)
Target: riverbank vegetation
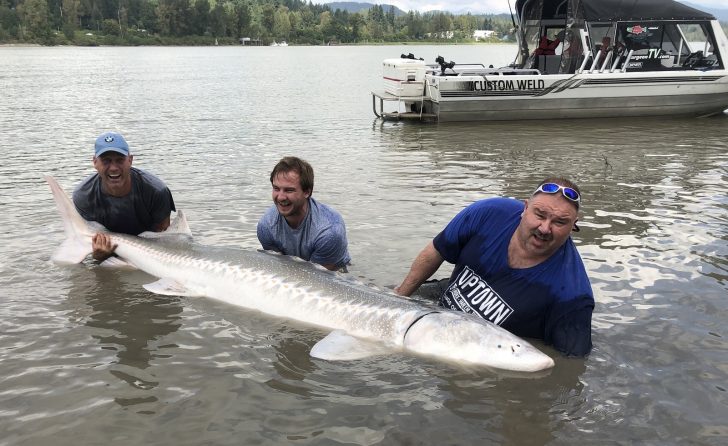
point(225, 22)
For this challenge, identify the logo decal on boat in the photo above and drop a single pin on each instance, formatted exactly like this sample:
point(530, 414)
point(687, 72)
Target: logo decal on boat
point(637, 29)
point(507, 85)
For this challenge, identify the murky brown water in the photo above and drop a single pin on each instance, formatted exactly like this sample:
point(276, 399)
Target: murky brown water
point(88, 356)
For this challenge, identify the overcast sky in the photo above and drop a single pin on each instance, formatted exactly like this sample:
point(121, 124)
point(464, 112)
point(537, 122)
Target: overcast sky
point(489, 6)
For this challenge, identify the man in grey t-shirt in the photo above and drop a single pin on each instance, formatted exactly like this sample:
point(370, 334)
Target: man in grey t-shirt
point(298, 225)
point(124, 199)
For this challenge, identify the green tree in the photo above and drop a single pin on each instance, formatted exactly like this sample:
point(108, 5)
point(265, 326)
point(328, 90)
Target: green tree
point(356, 21)
point(244, 16)
point(70, 12)
point(441, 22)
point(9, 23)
point(218, 22)
point(281, 23)
point(201, 16)
point(415, 25)
point(34, 20)
point(173, 17)
point(268, 17)
point(466, 24)
point(389, 17)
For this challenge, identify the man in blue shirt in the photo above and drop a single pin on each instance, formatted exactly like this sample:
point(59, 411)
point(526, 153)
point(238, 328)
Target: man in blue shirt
point(298, 225)
point(124, 199)
point(516, 266)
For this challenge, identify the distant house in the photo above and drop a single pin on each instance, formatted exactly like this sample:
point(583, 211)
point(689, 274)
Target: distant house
point(483, 34)
point(247, 41)
point(441, 35)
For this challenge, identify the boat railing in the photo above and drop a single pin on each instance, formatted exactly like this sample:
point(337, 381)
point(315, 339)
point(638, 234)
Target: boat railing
point(616, 62)
point(595, 61)
point(507, 71)
point(626, 61)
point(434, 66)
point(584, 62)
point(606, 65)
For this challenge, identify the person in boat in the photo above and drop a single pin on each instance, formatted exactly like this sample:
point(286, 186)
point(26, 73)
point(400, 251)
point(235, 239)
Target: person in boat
point(297, 224)
point(547, 47)
point(516, 266)
point(123, 198)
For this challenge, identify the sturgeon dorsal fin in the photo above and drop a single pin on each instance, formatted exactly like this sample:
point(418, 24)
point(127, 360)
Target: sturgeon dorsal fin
point(179, 225)
point(177, 229)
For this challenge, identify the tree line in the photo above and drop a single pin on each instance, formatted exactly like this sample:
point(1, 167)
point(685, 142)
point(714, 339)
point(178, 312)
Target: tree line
point(140, 22)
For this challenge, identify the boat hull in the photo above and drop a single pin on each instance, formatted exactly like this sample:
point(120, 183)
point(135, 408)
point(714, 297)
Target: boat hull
point(567, 97)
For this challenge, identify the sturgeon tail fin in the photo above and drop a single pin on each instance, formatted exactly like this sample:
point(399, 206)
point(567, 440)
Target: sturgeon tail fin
point(78, 234)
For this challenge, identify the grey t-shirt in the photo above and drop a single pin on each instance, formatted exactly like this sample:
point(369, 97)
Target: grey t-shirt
point(147, 205)
point(321, 237)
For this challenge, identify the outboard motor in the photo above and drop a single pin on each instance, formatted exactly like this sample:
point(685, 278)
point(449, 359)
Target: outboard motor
point(444, 65)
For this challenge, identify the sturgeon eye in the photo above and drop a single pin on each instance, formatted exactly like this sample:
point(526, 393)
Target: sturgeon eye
point(499, 346)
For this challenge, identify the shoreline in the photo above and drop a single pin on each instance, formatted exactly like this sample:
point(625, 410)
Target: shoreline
point(414, 43)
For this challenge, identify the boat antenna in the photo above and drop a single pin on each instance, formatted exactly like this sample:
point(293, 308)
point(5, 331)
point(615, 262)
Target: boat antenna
point(511, 10)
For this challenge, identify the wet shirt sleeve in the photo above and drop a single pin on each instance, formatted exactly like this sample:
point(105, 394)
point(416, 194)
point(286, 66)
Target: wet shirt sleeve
point(83, 205)
point(450, 242)
point(265, 234)
point(568, 328)
point(153, 199)
point(483, 219)
point(162, 205)
point(330, 247)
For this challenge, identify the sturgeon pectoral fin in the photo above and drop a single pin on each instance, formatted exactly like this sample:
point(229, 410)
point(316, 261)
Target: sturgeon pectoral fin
point(340, 346)
point(117, 263)
point(169, 287)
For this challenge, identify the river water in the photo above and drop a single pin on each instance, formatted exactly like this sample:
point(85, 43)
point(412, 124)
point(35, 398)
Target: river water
point(87, 356)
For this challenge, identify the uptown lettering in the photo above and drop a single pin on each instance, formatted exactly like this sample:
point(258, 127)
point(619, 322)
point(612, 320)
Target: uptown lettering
point(471, 294)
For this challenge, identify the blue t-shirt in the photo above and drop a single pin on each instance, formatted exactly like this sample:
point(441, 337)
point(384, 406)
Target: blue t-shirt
point(552, 301)
point(320, 238)
point(142, 209)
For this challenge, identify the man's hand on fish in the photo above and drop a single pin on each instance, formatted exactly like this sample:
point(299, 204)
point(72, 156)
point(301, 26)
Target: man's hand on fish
point(102, 247)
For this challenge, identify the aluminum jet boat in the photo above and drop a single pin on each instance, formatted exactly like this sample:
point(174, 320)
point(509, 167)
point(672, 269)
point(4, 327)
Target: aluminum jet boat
point(575, 59)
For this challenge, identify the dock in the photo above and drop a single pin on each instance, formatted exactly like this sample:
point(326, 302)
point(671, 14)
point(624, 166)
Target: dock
point(383, 97)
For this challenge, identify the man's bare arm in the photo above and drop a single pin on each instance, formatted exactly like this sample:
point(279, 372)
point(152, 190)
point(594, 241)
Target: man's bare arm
point(423, 267)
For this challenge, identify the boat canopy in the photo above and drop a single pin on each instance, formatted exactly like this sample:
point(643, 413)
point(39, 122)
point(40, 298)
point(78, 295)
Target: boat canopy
point(566, 36)
point(608, 10)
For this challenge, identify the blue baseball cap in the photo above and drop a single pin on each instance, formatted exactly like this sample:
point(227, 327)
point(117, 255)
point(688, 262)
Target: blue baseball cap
point(111, 141)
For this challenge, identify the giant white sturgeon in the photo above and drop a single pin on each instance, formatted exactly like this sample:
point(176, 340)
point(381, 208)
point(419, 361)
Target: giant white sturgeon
point(364, 320)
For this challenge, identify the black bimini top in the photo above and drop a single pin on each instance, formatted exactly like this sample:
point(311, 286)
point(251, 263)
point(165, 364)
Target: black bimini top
point(610, 10)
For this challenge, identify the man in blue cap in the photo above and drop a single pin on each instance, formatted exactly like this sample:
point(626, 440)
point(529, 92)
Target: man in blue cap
point(123, 198)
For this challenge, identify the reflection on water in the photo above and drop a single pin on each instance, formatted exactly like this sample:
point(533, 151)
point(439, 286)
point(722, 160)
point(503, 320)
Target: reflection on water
point(129, 322)
point(88, 356)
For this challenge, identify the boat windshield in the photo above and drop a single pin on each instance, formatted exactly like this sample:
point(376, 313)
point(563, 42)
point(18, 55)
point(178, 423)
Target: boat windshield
point(656, 46)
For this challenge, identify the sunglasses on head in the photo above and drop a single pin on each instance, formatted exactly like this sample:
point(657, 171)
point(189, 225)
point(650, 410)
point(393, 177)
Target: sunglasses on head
point(568, 192)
